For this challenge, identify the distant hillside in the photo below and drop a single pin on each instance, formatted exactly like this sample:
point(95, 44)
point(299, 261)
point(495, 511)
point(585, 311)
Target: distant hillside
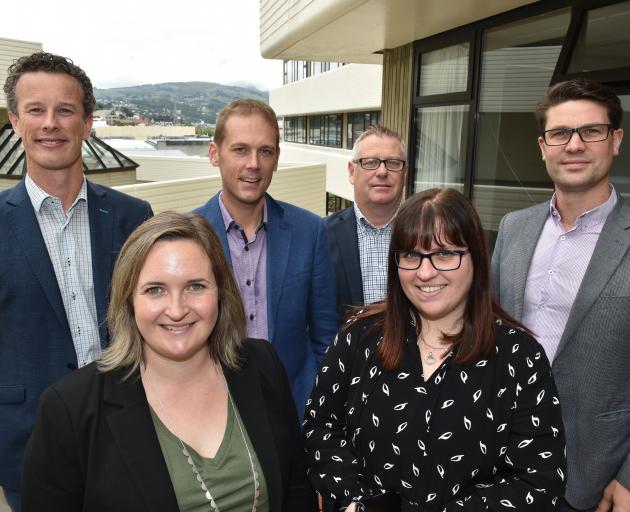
point(189, 102)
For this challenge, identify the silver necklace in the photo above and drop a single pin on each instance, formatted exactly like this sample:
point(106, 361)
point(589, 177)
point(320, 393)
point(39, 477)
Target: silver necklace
point(430, 358)
point(204, 487)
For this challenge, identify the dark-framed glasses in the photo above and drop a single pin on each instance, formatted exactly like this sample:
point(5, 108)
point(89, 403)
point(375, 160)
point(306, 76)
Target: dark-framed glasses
point(444, 260)
point(588, 133)
point(371, 163)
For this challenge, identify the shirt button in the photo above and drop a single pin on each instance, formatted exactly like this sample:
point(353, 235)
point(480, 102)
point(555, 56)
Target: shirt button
point(74, 296)
point(248, 282)
point(550, 272)
point(251, 317)
point(246, 248)
point(563, 237)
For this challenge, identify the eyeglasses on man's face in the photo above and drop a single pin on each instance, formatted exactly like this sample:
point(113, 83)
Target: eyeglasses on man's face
point(588, 133)
point(443, 260)
point(371, 163)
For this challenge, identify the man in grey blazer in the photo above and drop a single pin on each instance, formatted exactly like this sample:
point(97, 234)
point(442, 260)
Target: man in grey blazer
point(563, 269)
point(358, 237)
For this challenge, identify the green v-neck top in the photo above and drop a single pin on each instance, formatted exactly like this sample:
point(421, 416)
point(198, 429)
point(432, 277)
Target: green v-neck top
point(228, 475)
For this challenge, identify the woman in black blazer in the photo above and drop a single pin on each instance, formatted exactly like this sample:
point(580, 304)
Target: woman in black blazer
point(180, 412)
point(435, 400)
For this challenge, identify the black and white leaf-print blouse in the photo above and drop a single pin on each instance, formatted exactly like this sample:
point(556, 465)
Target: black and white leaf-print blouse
point(487, 436)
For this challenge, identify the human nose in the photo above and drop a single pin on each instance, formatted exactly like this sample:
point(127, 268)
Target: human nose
point(253, 161)
point(50, 120)
point(575, 143)
point(381, 170)
point(426, 270)
point(177, 307)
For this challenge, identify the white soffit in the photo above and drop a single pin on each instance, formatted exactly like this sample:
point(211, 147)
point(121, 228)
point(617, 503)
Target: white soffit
point(355, 30)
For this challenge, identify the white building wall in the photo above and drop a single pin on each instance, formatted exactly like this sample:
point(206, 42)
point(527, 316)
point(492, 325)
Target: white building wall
point(144, 131)
point(10, 50)
point(354, 87)
point(335, 160)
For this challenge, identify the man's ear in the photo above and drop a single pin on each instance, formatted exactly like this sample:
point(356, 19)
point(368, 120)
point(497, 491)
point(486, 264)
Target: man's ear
point(15, 123)
point(351, 171)
point(213, 153)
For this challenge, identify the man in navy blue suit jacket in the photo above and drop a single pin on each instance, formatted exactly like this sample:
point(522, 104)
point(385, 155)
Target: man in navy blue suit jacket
point(59, 238)
point(278, 251)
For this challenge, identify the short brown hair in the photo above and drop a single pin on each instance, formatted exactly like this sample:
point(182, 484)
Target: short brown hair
point(126, 349)
point(48, 63)
point(580, 89)
point(440, 216)
point(245, 107)
point(379, 131)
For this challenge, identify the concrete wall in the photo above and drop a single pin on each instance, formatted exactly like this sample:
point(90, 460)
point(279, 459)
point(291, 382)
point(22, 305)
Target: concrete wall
point(144, 132)
point(302, 185)
point(335, 160)
point(160, 168)
point(354, 87)
point(10, 50)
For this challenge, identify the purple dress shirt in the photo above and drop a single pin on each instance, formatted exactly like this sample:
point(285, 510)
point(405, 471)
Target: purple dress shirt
point(249, 262)
point(557, 269)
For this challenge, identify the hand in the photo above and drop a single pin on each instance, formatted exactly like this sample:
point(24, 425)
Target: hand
point(351, 507)
point(616, 498)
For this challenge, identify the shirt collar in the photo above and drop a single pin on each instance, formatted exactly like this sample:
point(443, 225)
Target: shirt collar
point(362, 218)
point(38, 195)
point(597, 215)
point(228, 221)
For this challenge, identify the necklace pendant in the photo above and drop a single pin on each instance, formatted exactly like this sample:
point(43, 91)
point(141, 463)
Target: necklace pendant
point(430, 359)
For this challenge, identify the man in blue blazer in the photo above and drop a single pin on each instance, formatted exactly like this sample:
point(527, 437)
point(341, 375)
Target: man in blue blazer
point(563, 269)
point(278, 251)
point(60, 235)
point(358, 237)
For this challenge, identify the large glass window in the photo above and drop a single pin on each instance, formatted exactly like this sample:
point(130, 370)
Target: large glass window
point(326, 130)
point(441, 129)
point(441, 146)
point(518, 61)
point(621, 163)
point(604, 40)
point(445, 70)
point(295, 70)
point(358, 122)
point(295, 129)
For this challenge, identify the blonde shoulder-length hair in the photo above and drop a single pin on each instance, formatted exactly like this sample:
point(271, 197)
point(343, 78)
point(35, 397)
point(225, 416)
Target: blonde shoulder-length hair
point(126, 350)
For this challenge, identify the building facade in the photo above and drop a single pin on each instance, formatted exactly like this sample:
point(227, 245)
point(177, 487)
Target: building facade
point(460, 80)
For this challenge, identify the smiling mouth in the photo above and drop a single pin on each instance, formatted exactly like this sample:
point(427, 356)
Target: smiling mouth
point(176, 328)
point(432, 288)
point(248, 179)
point(50, 142)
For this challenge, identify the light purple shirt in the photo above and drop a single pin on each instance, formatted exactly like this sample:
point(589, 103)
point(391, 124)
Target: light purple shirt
point(557, 269)
point(249, 262)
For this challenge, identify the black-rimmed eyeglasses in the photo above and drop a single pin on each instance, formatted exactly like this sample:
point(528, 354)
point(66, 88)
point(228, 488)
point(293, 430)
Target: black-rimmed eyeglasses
point(588, 133)
point(441, 260)
point(371, 163)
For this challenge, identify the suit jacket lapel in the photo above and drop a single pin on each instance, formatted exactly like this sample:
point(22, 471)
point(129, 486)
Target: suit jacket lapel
point(528, 238)
point(214, 216)
point(278, 248)
point(244, 386)
point(612, 245)
point(346, 232)
point(101, 214)
point(25, 227)
point(134, 435)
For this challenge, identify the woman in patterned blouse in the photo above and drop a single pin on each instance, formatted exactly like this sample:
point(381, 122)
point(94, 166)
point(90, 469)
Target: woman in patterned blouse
point(435, 399)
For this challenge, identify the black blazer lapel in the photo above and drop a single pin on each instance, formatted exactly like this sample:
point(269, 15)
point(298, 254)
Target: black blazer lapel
point(345, 236)
point(101, 214)
point(25, 227)
point(134, 435)
point(244, 385)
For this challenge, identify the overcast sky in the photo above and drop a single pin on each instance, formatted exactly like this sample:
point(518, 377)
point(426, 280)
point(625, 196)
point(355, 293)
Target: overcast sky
point(125, 42)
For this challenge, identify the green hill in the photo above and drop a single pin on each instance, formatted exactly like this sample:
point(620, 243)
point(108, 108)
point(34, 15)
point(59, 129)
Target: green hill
point(193, 101)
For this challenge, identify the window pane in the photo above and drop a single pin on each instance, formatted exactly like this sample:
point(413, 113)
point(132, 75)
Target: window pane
point(441, 146)
point(604, 40)
point(518, 61)
point(445, 70)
